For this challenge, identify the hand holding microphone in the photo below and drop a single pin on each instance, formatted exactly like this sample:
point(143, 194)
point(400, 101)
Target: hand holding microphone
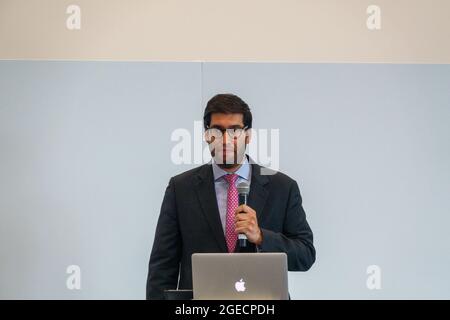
point(246, 220)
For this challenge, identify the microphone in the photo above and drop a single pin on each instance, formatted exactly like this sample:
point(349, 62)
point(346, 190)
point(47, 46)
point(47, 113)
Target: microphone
point(243, 191)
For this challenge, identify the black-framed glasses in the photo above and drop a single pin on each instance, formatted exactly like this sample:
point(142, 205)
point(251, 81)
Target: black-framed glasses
point(216, 133)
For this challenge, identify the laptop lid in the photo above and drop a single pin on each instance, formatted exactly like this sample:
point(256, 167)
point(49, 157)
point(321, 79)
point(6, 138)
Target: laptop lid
point(236, 276)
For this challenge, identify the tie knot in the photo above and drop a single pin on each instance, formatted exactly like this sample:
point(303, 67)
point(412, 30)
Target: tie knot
point(231, 178)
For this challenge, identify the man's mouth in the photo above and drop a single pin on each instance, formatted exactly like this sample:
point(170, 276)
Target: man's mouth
point(227, 150)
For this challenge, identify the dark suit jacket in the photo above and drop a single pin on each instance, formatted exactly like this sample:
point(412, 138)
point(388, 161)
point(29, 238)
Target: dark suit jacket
point(189, 223)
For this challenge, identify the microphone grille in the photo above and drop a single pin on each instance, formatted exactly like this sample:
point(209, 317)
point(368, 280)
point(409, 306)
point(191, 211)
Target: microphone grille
point(243, 188)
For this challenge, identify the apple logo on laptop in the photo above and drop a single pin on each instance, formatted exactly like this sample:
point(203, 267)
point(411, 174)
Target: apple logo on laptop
point(240, 286)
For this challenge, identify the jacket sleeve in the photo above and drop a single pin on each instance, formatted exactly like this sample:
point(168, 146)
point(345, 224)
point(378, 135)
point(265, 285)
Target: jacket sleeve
point(163, 267)
point(296, 239)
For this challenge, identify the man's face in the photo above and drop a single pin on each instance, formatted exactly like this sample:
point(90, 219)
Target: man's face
point(227, 151)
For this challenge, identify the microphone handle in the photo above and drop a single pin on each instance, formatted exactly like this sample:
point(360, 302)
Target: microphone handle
point(242, 237)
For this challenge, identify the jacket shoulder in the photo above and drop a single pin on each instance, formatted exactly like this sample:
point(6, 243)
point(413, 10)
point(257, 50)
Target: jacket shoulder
point(275, 176)
point(187, 176)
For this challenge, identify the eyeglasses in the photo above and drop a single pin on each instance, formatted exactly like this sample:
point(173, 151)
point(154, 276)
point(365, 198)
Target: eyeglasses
point(215, 133)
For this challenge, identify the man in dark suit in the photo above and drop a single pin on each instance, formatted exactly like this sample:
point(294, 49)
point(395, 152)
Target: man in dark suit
point(200, 212)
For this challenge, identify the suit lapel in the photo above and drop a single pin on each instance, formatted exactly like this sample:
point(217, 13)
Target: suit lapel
point(206, 195)
point(258, 191)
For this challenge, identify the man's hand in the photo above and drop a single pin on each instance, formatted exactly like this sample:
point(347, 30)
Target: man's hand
point(246, 222)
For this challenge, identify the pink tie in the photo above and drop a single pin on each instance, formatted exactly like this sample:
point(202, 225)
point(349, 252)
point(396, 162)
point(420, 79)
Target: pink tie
point(232, 204)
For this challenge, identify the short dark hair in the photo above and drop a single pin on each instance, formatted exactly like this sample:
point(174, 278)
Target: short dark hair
point(227, 103)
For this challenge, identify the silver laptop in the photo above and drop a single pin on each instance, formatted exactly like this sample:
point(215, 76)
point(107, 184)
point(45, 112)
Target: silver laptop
point(235, 276)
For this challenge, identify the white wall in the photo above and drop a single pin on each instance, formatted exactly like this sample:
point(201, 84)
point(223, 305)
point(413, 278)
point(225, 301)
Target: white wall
point(85, 158)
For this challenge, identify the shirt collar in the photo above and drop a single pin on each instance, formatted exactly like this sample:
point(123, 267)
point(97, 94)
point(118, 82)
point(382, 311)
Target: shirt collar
point(243, 171)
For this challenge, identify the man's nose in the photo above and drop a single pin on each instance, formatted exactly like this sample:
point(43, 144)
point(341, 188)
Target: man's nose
point(225, 138)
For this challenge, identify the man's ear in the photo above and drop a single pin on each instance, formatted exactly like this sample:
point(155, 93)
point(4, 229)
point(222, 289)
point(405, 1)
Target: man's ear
point(248, 136)
point(206, 140)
